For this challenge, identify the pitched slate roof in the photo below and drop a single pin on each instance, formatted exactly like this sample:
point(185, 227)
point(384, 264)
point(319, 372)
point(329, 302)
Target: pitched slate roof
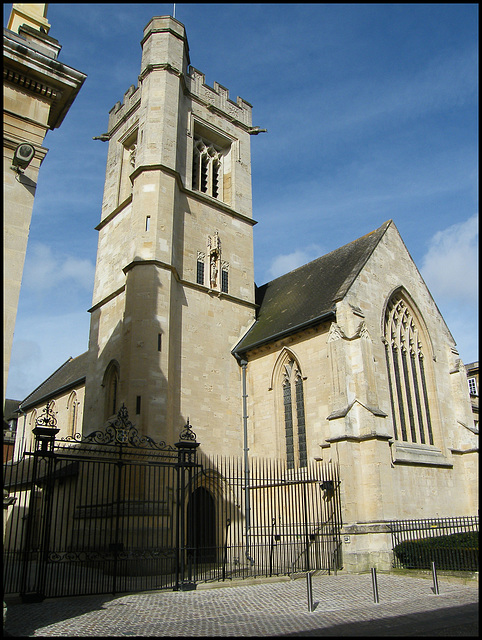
point(72, 372)
point(9, 409)
point(307, 295)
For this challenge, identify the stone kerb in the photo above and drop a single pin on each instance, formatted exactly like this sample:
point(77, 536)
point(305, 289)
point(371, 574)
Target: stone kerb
point(218, 96)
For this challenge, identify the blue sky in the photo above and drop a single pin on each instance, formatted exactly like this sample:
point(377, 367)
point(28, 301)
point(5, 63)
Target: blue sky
point(372, 114)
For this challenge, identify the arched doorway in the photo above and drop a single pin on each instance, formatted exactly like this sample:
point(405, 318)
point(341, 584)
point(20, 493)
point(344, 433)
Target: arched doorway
point(201, 525)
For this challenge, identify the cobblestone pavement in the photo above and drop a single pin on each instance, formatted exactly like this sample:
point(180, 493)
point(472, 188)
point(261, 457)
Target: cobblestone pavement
point(262, 609)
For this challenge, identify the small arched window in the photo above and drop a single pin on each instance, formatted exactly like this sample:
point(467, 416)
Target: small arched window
point(294, 414)
point(406, 352)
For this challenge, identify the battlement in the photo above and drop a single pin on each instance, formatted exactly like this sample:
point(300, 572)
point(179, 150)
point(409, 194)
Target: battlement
point(118, 111)
point(218, 96)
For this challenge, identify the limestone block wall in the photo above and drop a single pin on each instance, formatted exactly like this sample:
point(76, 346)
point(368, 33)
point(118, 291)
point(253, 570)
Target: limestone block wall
point(265, 407)
point(348, 411)
point(25, 120)
point(37, 92)
point(149, 312)
point(210, 388)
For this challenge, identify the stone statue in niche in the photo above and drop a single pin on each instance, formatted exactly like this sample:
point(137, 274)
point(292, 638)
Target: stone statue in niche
point(214, 247)
point(214, 269)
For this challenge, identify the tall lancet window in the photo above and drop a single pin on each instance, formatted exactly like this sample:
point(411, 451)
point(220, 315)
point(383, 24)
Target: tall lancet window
point(294, 415)
point(111, 389)
point(72, 409)
point(406, 356)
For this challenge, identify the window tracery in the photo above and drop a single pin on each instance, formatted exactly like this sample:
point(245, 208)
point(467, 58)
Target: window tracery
point(404, 348)
point(294, 414)
point(206, 168)
point(201, 257)
point(224, 276)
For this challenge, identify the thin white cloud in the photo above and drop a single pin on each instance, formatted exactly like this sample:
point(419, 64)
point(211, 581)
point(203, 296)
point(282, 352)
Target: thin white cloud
point(450, 266)
point(462, 320)
point(44, 271)
point(282, 264)
point(41, 344)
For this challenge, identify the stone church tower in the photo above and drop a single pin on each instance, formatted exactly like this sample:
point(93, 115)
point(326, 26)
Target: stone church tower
point(174, 284)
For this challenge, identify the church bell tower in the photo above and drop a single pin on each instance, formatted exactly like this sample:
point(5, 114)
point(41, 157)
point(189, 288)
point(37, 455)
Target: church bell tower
point(174, 283)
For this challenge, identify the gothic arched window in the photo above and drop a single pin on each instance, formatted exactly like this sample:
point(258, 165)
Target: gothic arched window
point(72, 410)
point(32, 423)
point(294, 414)
point(405, 353)
point(111, 389)
point(206, 168)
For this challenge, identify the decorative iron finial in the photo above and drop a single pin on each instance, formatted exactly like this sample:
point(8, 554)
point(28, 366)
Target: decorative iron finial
point(121, 431)
point(47, 419)
point(187, 433)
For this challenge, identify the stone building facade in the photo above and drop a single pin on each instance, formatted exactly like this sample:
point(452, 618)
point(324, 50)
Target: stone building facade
point(382, 389)
point(345, 360)
point(472, 369)
point(174, 282)
point(38, 92)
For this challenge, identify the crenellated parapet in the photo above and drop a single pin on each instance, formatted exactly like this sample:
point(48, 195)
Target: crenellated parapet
point(218, 97)
point(120, 110)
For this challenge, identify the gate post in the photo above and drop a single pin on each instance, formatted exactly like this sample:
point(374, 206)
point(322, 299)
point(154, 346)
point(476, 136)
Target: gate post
point(186, 461)
point(45, 431)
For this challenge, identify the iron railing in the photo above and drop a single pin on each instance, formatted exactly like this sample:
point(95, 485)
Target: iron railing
point(451, 543)
point(114, 512)
point(293, 526)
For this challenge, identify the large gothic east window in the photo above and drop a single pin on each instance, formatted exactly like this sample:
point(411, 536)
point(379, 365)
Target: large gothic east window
point(406, 353)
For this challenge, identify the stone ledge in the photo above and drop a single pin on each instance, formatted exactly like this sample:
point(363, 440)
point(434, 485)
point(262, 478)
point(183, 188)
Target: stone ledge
point(418, 454)
point(364, 527)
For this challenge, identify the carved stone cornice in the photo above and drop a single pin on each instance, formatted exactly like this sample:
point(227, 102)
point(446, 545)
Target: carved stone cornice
point(35, 69)
point(29, 84)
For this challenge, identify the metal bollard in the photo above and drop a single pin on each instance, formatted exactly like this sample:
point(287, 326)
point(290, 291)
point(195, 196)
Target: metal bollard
point(310, 591)
point(375, 586)
point(435, 581)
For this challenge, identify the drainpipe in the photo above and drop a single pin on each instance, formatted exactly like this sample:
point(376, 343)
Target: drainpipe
point(247, 506)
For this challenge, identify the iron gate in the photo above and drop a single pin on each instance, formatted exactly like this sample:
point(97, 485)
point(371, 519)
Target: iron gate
point(116, 512)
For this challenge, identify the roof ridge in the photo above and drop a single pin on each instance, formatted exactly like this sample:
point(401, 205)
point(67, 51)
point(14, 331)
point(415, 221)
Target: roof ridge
point(343, 246)
point(46, 380)
point(308, 294)
point(343, 288)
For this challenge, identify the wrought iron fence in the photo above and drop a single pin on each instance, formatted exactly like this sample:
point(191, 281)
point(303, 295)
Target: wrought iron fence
point(289, 522)
point(115, 512)
point(452, 543)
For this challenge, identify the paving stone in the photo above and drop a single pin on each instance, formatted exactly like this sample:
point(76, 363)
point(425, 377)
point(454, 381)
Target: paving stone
point(264, 609)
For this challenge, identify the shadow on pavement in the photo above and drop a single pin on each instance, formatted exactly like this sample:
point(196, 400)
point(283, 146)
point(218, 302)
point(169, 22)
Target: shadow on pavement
point(460, 621)
point(24, 619)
